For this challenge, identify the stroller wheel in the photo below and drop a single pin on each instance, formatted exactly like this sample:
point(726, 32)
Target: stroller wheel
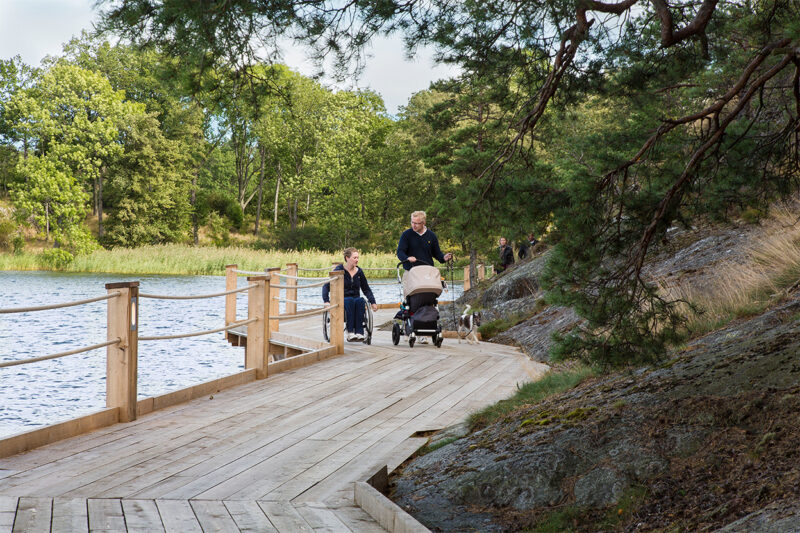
point(411, 341)
point(395, 333)
point(437, 340)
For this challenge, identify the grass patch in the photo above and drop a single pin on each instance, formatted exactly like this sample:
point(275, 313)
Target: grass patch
point(493, 327)
point(191, 260)
point(746, 288)
point(436, 445)
point(559, 521)
point(530, 393)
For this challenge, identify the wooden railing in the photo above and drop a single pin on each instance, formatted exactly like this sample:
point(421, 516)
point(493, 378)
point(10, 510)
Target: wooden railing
point(122, 346)
point(481, 274)
point(264, 342)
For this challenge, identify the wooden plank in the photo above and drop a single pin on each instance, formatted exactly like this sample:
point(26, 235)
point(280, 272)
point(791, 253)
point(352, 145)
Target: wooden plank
point(200, 390)
point(106, 515)
point(322, 519)
point(33, 515)
point(64, 430)
point(249, 517)
point(177, 516)
point(70, 515)
point(8, 510)
point(213, 516)
point(142, 516)
point(285, 517)
point(357, 519)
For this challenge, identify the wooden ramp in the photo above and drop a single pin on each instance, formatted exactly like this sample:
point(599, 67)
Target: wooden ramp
point(279, 454)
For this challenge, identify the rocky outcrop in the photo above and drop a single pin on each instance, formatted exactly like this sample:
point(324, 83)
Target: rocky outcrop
point(705, 441)
point(711, 434)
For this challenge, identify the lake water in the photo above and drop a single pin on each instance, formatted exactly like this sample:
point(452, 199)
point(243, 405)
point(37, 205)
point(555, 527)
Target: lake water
point(38, 394)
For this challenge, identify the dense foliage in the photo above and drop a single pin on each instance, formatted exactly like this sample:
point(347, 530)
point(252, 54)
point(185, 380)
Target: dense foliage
point(597, 124)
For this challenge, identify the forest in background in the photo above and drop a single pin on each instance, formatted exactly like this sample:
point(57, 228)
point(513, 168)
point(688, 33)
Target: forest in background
point(603, 124)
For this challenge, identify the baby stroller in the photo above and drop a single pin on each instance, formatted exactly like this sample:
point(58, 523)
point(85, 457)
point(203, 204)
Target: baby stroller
point(419, 314)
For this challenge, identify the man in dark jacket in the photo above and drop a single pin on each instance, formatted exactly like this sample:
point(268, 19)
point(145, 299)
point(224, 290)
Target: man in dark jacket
point(506, 255)
point(418, 245)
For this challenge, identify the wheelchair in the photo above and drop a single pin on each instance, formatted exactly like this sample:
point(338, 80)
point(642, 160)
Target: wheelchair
point(367, 323)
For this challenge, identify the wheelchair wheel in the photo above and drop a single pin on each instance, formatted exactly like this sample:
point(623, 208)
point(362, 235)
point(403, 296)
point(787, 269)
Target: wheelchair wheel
point(395, 333)
point(326, 326)
point(368, 319)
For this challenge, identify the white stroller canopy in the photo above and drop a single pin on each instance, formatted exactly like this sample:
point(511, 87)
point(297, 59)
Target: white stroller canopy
point(423, 278)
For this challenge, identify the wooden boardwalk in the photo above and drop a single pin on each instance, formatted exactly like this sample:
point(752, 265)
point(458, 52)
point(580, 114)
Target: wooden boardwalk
point(279, 454)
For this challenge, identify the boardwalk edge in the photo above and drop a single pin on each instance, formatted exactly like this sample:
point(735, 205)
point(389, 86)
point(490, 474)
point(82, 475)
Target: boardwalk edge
point(388, 514)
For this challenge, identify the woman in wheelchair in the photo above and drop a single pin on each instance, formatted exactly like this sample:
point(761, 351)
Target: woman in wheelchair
point(355, 281)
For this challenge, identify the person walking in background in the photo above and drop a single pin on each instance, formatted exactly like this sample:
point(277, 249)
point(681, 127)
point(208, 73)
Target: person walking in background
point(532, 240)
point(524, 249)
point(506, 255)
point(418, 245)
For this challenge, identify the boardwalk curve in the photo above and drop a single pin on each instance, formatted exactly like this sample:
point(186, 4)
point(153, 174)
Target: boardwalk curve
point(280, 454)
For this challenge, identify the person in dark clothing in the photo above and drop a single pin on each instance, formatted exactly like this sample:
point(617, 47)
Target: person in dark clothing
point(506, 255)
point(524, 250)
point(418, 245)
point(355, 281)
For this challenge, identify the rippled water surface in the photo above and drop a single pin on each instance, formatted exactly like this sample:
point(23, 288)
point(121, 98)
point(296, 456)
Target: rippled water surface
point(47, 392)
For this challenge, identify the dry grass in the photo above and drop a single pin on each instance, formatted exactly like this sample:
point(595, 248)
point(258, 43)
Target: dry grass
point(770, 268)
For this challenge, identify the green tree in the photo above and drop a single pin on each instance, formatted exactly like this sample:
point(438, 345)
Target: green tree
point(73, 116)
point(52, 197)
point(148, 186)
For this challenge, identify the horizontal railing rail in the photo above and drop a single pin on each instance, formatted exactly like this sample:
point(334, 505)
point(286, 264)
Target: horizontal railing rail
point(194, 296)
point(6, 364)
point(60, 305)
point(199, 333)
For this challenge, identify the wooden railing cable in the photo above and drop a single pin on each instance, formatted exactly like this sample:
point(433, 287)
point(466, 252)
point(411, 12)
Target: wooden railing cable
point(194, 296)
point(198, 333)
point(287, 300)
point(59, 306)
point(302, 314)
point(60, 354)
point(251, 272)
point(299, 277)
point(309, 286)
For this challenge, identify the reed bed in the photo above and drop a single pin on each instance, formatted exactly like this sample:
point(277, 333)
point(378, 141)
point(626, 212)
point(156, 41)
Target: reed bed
point(190, 260)
point(771, 268)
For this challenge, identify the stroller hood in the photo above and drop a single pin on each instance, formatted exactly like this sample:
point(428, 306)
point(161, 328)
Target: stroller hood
point(423, 278)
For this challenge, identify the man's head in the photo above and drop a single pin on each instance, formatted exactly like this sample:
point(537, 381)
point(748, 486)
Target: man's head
point(503, 241)
point(418, 220)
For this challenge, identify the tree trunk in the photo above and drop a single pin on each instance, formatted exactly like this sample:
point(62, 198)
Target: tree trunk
point(293, 214)
point(277, 191)
point(193, 203)
point(100, 203)
point(263, 153)
point(47, 222)
point(473, 265)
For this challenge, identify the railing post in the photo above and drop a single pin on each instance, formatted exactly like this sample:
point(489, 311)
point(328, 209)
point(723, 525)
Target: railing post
point(256, 352)
point(291, 294)
point(337, 313)
point(466, 278)
point(231, 282)
point(274, 299)
point(121, 358)
point(481, 273)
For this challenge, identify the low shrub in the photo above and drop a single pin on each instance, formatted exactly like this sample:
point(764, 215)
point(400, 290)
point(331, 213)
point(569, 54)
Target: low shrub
point(55, 259)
